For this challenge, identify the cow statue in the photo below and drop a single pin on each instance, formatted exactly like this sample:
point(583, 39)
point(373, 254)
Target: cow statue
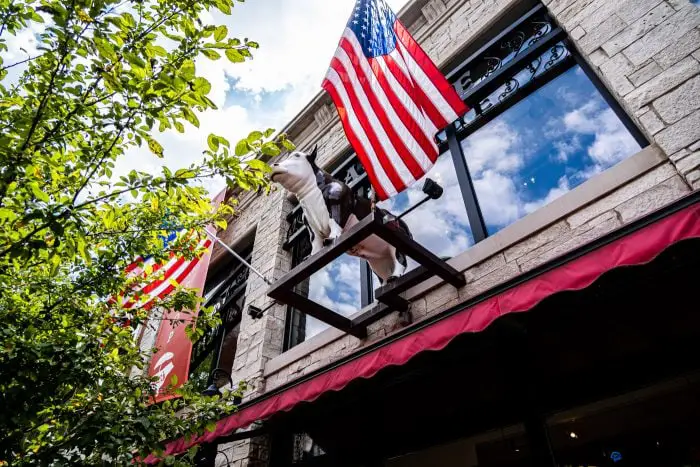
point(331, 208)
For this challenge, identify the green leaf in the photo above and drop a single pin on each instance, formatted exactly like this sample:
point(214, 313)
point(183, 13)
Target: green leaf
point(269, 132)
point(40, 195)
point(242, 148)
point(211, 54)
point(220, 33)
point(257, 164)
point(213, 142)
point(173, 380)
point(288, 145)
point(201, 85)
point(190, 117)
point(254, 136)
point(187, 69)
point(210, 427)
point(235, 56)
point(221, 223)
point(155, 147)
point(224, 6)
point(270, 149)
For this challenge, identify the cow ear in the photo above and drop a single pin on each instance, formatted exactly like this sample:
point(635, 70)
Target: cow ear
point(312, 157)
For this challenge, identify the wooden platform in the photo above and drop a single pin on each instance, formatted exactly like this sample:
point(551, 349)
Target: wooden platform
point(388, 296)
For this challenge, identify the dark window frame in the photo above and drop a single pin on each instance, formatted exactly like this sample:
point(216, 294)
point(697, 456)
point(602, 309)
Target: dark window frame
point(229, 291)
point(530, 37)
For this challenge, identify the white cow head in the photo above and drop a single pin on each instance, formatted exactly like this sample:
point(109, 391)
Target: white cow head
point(296, 173)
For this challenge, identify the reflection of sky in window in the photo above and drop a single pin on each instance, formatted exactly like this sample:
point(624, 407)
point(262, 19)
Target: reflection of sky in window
point(550, 142)
point(337, 286)
point(440, 225)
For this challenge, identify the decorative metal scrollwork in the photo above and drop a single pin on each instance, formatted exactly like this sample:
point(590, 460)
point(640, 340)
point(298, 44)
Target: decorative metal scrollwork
point(500, 53)
point(507, 65)
point(556, 53)
point(542, 28)
point(512, 85)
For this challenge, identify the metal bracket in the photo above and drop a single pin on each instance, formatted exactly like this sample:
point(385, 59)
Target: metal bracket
point(388, 296)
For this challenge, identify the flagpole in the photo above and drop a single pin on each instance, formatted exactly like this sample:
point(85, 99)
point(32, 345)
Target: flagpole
point(238, 257)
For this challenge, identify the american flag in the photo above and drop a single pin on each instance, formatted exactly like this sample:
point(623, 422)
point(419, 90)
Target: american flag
point(157, 280)
point(390, 97)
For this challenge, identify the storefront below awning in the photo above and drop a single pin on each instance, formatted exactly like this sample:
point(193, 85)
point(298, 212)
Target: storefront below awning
point(583, 309)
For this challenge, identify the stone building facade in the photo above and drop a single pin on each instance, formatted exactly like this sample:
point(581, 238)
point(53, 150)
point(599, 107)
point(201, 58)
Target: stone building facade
point(646, 53)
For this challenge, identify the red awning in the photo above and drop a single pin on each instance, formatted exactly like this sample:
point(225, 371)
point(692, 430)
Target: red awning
point(638, 247)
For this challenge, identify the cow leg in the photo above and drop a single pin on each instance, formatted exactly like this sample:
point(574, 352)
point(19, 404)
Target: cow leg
point(399, 266)
point(316, 243)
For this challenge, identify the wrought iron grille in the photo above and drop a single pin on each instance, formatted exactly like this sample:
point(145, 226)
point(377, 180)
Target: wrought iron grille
point(226, 301)
point(501, 52)
point(528, 54)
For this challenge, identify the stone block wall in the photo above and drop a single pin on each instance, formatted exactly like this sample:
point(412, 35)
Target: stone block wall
point(259, 340)
point(648, 54)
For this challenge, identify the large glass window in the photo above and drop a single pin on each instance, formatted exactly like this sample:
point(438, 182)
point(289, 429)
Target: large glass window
point(551, 141)
point(441, 225)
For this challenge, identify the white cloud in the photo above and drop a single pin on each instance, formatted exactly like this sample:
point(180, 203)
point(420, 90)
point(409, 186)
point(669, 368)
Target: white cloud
point(567, 147)
point(493, 147)
point(554, 193)
point(612, 142)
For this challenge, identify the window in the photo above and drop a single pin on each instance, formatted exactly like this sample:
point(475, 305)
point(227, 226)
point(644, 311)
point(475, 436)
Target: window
point(540, 124)
point(441, 226)
point(551, 141)
point(217, 348)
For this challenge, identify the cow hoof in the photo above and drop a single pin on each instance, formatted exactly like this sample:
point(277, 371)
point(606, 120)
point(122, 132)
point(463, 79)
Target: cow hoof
point(328, 241)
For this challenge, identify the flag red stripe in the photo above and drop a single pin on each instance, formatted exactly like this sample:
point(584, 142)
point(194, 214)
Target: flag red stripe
point(354, 141)
point(394, 177)
point(422, 138)
point(427, 65)
point(419, 96)
point(166, 276)
point(179, 278)
point(401, 148)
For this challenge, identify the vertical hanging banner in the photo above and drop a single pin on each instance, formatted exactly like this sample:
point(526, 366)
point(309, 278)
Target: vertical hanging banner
point(171, 362)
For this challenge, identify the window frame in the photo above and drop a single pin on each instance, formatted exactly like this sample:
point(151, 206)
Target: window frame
point(231, 289)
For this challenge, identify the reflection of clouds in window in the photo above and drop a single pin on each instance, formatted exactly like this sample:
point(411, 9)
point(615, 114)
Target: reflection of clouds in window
point(439, 225)
point(542, 147)
point(337, 287)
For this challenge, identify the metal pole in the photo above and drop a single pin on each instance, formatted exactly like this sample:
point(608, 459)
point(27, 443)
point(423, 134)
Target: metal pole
point(476, 218)
point(238, 257)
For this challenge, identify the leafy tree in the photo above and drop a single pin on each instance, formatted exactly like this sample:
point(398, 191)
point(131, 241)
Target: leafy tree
point(107, 75)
